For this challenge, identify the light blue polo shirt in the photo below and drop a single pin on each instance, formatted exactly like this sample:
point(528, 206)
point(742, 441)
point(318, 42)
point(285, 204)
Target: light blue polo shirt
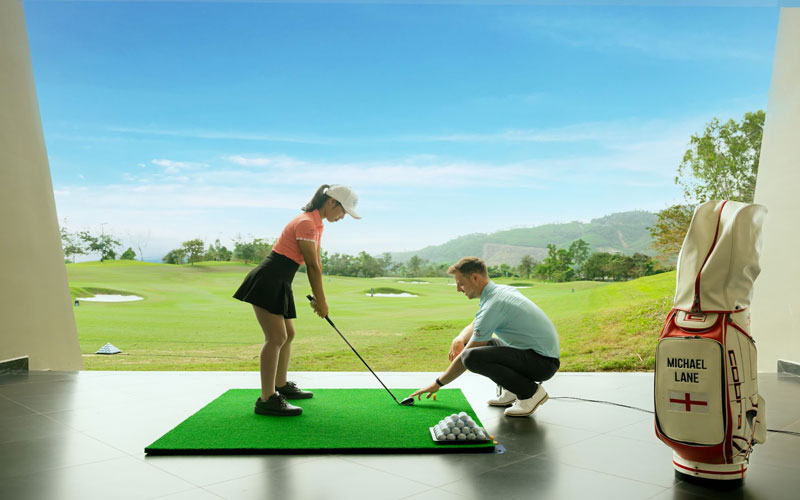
point(515, 320)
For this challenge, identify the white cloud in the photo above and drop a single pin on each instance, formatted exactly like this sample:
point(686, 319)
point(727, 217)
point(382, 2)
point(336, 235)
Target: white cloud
point(280, 161)
point(175, 167)
point(225, 135)
point(172, 164)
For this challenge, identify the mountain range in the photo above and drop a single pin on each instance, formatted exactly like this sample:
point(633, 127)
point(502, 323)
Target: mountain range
point(623, 232)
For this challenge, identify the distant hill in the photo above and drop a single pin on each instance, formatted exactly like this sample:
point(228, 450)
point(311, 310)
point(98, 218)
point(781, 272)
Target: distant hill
point(624, 232)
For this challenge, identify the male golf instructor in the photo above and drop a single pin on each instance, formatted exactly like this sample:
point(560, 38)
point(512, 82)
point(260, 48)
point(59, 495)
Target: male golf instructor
point(524, 353)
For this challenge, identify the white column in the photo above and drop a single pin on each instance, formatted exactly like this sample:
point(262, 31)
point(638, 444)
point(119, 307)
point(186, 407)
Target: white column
point(776, 296)
point(36, 316)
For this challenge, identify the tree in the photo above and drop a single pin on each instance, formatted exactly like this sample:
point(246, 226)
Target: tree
point(70, 243)
point(128, 254)
point(222, 253)
point(193, 249)
point(105, 244)
point(722, 163)
point(341, 265)
point(621, 267)
point(255, 250)
point(563, 267)
point(368, 266)
point(414, 266)
point(669, 231)
point(323, 259)
point(597, 266)
point(643, 265)
point(174, 256)
point(217, 252)
point(210, 254)
point(526, 265)
point(385, 262)
point(557, 266)
point(398, 269)
point(140, 241)
point(580, 252)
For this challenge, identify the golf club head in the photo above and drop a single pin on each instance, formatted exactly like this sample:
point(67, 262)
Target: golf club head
point(407, 402)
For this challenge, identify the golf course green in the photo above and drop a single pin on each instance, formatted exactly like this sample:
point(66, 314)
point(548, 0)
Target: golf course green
point(189, 321)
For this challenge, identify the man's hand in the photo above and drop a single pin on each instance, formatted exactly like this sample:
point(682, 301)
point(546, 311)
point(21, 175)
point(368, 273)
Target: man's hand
point(455, 348)
point(430, 390)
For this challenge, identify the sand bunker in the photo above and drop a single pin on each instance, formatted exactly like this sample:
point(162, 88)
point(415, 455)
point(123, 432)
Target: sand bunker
point(390, 295)
point(111, 298)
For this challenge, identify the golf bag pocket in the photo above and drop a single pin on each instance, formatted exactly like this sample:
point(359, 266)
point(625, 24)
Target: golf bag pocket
point(690, 390)
point(695, 321)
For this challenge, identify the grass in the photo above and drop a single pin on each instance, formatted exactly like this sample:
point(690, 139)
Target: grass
point(189, 321)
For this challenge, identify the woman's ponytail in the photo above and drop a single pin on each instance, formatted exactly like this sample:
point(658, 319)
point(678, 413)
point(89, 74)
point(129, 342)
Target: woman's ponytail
point(318, 200)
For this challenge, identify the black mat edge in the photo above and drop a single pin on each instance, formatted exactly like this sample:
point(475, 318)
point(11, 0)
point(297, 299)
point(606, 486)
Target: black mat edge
point(318, 451)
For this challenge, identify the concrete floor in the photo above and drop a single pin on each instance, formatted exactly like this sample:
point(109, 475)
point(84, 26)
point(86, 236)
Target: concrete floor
point(81, 435)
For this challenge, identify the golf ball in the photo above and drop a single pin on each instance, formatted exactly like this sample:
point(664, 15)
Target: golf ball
point(462, 437)
point(463, 414)
point(450, 424)
point(451, 437)
point(471, 424)
point(470, 436)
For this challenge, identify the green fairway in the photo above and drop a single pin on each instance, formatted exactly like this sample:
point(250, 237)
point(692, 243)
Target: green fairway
point(334, 420)
point(189, 321)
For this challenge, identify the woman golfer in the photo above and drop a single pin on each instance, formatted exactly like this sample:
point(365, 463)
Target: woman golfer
point(268, 287)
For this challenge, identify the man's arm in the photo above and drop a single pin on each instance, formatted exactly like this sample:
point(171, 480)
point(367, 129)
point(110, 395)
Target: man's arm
point(453, 371)
point(460, 341)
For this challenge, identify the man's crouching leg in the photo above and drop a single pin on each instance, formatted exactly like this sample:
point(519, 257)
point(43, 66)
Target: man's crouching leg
point(516, 370)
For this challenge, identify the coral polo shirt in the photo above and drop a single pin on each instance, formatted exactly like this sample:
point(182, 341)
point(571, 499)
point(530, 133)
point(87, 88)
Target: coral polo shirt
point(308, 227)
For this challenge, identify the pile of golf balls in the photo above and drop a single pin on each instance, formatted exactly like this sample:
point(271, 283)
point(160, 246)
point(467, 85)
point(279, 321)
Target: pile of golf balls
point(459, 427)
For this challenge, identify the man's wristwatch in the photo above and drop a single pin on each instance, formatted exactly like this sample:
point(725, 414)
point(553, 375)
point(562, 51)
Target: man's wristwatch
point(439, 382)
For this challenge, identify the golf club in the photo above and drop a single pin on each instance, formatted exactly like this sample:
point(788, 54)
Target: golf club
point(406, 402)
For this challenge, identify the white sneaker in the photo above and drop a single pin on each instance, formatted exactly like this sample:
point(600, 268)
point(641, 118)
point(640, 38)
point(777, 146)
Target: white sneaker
point(524, 407)
point(506, 398)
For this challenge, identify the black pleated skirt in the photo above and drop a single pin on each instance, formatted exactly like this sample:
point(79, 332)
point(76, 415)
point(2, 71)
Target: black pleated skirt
point(269, 285)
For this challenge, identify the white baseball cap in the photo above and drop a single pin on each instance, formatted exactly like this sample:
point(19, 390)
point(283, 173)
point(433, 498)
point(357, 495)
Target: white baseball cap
point(346, 196)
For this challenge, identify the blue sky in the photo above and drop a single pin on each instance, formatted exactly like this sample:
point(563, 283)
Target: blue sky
point(214, 120)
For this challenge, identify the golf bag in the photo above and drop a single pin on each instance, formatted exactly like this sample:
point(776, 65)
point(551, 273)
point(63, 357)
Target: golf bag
point(707, 406)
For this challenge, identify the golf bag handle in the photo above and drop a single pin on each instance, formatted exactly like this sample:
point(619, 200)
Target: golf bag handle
point(311, 299)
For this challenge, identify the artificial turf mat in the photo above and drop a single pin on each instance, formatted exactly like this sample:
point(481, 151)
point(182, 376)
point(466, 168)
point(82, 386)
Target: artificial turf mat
point(334, 420)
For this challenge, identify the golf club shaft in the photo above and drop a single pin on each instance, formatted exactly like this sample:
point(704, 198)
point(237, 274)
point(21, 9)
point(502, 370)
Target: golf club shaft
point(357, 354)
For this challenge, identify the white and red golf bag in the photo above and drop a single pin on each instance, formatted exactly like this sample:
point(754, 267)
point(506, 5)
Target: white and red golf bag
point(707, 406)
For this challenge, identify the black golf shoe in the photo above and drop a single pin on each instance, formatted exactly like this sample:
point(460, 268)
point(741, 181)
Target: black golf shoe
point(291, 391)
point(276, 405)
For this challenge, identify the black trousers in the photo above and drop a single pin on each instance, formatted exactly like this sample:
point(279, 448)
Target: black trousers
point(518, 370)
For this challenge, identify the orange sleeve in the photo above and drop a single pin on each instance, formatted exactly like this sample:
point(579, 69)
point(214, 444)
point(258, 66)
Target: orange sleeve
point(305, 230)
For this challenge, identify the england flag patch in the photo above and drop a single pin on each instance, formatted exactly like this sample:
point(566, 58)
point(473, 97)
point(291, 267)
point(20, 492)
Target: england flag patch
point(691, 402)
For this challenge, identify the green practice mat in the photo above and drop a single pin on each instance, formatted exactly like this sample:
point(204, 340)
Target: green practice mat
point(333, 421)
